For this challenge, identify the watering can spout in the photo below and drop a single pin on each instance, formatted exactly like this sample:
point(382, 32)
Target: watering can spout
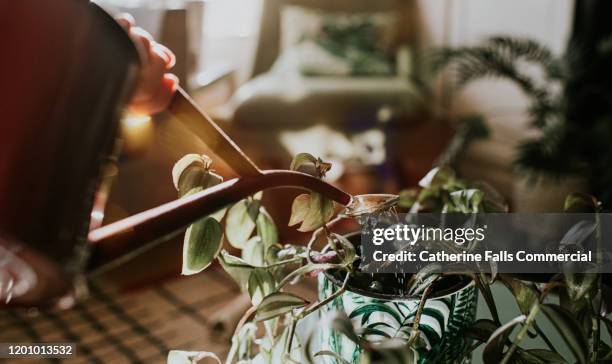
point(139, 231)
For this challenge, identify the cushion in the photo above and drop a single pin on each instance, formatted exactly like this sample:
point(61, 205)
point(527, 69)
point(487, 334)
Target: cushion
point(356, 44)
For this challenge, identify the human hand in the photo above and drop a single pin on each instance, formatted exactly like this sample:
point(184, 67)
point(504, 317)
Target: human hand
point(155, 86)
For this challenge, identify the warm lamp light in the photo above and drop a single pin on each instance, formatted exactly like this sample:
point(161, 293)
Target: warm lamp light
point(137, 131)
point(131, 121)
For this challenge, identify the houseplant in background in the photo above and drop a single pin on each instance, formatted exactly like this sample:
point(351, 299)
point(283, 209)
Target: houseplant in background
point(568, 151)
point(353, 303)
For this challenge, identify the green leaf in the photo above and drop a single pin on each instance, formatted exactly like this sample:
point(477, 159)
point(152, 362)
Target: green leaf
point(261, 283)
point(481, 330)
point(299, 209)
point(468, 200)
point(580, 202)
point(424, 277)
point(341, 323)
point(301, 159)
point(272, 252)
point(524, 292)
point(437, 177)
point(348, 249)
point(190, 168)
point(201, 245)
point(244, 341)
point(237, 268)
point(394, 350)
point(202, 241)
point(579, 284)
point(193, 171)
point(313, 211)
point(190, 357)
point(277, 304)
point(604, 354)
point(578, 233)
point(273, 349)
point(407, 198)
point(307, 354)
point(485, 290)
point(266, 229)
point(421, 285)
point(253, 252)
point(569, 329)
point(320, 211)
point(240, 222)
point(493, 351)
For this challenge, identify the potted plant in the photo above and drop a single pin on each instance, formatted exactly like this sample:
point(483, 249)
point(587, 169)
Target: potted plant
point(428, 320)
point(565, 154)
point(417, 318)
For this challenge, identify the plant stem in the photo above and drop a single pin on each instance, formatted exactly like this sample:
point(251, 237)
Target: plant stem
point(230, 356)
point(417, 317)
point(595, 340)
point(597, 314)
point(283, 262)
point(485, 290)
point(595, 321)
point(289, 342)
point(315, 236)
point(307, 311)
point(243, 319)
point(289, 277)
point(522, 333)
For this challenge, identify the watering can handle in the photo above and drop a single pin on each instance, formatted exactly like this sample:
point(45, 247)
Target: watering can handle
point(184, 109)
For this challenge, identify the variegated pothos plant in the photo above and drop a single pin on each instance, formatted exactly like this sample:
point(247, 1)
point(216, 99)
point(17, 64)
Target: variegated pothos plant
point(265, 268)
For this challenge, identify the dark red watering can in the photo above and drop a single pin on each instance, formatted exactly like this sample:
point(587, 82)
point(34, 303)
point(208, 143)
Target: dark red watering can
point(68, 70)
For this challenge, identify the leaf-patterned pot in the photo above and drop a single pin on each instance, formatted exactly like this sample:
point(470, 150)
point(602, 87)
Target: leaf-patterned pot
point(444, 317)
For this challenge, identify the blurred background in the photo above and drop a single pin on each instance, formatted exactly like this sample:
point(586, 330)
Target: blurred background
point(351, 81)
point(348, 81)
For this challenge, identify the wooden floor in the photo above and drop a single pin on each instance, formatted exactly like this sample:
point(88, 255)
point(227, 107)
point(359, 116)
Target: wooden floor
point(135, 327)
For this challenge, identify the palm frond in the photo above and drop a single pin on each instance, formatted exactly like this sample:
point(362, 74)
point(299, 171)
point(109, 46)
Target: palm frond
point(474, 63)
point(530, 51)
point(502, 57)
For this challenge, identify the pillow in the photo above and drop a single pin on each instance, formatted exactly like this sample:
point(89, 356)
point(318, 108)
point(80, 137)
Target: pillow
point(308, 58)
point(360, 40)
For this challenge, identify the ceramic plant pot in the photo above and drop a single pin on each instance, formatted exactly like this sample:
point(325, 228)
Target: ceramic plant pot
point(445, 316)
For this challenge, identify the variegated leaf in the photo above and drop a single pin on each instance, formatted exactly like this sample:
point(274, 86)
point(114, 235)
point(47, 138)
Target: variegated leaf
point(201, 245)
point(240, 222)
point(277, 304)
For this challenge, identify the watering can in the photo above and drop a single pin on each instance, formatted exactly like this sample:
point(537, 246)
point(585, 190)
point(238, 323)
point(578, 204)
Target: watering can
point(59, 126)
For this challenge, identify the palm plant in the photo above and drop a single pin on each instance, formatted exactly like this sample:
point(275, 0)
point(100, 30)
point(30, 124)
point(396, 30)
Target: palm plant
point(567, 144)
